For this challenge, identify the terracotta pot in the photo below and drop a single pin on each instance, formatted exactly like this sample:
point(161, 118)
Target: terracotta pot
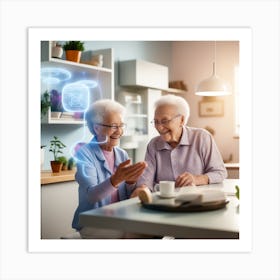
point(73, 55)
point(56, 166)
point(64, 167)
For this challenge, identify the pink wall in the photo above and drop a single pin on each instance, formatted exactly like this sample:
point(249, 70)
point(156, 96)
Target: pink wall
point(192, 62)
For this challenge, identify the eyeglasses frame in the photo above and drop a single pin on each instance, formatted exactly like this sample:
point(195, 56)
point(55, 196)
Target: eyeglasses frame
point(113, 127)
point(166, 122)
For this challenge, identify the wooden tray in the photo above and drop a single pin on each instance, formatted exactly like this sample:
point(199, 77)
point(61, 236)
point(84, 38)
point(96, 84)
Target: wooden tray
point(173, 206)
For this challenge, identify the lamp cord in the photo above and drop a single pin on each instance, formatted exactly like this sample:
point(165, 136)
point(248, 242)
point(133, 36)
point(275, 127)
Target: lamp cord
point(215, 51)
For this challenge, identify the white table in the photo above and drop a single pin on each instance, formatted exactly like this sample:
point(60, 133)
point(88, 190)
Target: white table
point(130, 216)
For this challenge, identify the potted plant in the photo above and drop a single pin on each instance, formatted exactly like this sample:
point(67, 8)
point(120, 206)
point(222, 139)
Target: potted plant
point(56, 147)
point(73, 50)
point(56, 104)
point(45, 103)
point(71, 163)
point(64, 162)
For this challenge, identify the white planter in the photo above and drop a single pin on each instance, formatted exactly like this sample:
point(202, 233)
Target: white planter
point(57, 51)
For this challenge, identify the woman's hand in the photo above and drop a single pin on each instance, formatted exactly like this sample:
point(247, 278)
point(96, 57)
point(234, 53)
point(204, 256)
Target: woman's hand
point(128, 172)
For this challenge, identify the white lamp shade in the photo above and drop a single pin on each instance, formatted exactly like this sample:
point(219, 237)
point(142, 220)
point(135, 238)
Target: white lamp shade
point(213, 86)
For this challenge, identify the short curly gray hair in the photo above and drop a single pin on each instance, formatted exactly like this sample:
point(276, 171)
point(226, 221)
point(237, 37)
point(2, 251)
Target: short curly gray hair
point(180, 103)
point(99, 109)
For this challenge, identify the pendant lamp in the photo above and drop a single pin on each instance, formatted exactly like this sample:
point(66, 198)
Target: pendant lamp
point(213, 86)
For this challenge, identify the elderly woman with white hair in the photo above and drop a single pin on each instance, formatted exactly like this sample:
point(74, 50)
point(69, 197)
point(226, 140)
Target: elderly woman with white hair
point(186, 155)
point(104, 172)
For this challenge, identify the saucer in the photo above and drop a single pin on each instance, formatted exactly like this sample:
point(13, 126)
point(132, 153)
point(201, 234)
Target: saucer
point(165, 196)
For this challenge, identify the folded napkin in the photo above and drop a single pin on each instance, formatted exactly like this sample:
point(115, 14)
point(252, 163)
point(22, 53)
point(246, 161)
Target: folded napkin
point(201, 196)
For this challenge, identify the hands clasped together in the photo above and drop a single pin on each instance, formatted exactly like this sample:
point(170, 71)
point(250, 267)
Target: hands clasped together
point(128, 172)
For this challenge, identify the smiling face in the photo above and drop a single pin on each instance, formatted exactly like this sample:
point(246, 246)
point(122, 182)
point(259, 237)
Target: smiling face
point(110, 128)
point(169, 124)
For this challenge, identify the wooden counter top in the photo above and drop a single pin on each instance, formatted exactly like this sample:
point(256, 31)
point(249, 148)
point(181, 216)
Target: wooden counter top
point(47, 177)
point(232, 165)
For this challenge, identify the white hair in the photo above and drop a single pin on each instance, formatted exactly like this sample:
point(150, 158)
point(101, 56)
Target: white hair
point(180, 103)
point(99, 109)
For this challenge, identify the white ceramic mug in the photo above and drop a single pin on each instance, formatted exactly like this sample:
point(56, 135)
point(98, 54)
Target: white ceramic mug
point(166, 188)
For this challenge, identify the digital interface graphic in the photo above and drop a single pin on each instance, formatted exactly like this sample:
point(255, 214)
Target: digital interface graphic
point(76, 97)
point(54, 75)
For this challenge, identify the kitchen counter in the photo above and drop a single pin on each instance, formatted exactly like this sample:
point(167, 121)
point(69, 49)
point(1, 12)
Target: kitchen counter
point(233, 170)
point(47, 177)
point(232, 165)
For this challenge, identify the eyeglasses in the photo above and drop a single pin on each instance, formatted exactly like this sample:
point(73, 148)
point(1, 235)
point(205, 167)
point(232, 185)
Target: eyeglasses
point(114, 127)
point(164, 122)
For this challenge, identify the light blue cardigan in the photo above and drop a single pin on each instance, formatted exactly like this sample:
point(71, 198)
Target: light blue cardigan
point(93, 175)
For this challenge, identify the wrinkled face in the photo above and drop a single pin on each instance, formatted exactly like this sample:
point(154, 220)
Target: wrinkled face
point(168, 123)
point(112, 127)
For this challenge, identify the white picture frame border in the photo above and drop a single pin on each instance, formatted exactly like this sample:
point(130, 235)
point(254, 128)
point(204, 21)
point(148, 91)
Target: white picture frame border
point(35, 36)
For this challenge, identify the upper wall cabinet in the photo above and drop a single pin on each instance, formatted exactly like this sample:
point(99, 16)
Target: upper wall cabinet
point(75, 85)
point(139, 73)
point(144, 74)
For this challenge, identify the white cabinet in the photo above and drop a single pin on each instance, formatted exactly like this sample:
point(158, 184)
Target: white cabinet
point(58, 204)
point(141, 73)
point(80, 83)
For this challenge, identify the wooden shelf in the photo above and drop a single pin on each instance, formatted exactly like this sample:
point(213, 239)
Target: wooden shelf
point(47, 177)
point(175, 91)
point(73, 66)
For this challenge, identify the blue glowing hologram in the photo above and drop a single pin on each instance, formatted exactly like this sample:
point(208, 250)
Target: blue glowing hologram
point(74, 154)
point(75, 97)
point(52, 74)
point(78, 145)
point(88, 83)
point(51, 80)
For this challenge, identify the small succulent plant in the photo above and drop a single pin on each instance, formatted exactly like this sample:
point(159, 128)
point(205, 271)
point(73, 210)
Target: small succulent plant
point(74, 45)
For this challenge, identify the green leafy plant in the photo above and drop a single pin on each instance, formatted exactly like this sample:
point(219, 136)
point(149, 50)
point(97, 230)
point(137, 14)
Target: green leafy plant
point(237, 193)
point(63, 160)
point(56, 147)
point(45, 102)
point(74, 45)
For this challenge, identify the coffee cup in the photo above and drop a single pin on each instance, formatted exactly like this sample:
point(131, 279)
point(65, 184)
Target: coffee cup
point(166, 188)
